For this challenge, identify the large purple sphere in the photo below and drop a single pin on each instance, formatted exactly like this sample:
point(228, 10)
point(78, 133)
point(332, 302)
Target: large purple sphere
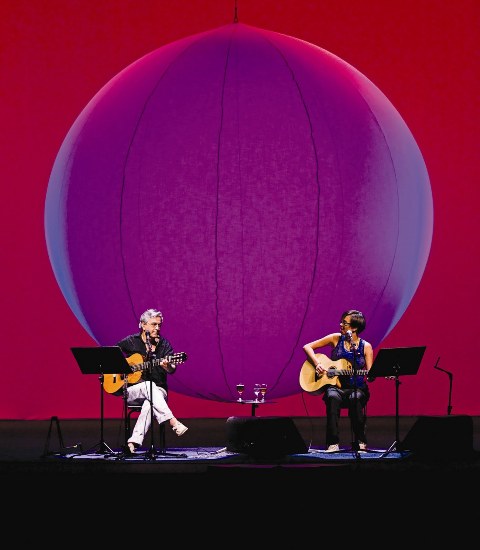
point(250, 185)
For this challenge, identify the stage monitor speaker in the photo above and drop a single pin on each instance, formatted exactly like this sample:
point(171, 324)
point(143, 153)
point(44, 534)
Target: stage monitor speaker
point(440, 436)
point(264, 437)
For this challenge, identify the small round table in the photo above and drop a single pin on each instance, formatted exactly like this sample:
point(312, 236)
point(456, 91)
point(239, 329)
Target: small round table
point(254, 402)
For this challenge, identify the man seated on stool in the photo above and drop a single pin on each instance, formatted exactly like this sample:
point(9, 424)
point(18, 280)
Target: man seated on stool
point(149, 343)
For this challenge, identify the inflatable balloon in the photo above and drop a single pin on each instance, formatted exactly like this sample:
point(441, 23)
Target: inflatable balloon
point(250, 185)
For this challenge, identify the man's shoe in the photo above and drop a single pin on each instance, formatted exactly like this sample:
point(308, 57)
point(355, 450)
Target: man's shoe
point(179, 428)
point(132, 447)
point(362, 446)
point(333, 448)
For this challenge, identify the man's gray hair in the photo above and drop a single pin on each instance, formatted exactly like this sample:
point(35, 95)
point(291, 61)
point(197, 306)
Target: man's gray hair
point(150, 314)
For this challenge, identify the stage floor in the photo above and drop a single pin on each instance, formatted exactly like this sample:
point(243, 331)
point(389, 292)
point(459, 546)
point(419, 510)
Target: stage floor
point(59, 446)
point(55, 468)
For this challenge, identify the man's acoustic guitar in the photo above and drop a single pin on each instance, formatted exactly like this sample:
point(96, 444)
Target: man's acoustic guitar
point(114, 382)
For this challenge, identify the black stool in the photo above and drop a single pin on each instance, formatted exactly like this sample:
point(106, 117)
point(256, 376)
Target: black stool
point(364, 414)
point(136, 409)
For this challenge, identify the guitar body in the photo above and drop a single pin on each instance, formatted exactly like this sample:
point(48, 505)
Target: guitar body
point(114, 382)
point(314, 384)
point(136, 376)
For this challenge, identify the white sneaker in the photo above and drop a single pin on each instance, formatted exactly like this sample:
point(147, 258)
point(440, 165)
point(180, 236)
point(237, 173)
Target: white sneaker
point(333, 448)
point(179, 428)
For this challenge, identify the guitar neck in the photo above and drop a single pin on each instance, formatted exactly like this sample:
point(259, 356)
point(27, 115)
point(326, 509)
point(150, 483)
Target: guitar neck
point(146, 365)
point(175, 358)
point(347, 372)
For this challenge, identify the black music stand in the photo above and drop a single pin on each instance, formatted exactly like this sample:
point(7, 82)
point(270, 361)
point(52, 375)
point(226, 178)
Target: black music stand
point(101, 360)
point(395, 362)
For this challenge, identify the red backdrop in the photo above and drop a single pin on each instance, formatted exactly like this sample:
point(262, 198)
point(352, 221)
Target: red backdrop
point(56, 55)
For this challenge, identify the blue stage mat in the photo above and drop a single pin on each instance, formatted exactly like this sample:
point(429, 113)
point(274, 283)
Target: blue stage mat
point(348, 454)
point(207, 454)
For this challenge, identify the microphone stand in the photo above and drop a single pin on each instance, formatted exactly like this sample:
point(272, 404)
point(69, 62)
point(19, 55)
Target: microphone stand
point(151, 455)
point(450, 378)
point(354, 418)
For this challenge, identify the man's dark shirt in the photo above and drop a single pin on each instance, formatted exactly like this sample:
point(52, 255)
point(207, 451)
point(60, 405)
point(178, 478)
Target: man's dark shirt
point(134, 344)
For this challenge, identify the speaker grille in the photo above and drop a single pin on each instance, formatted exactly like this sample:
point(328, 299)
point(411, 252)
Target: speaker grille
point(440, 436)
point(264, 437)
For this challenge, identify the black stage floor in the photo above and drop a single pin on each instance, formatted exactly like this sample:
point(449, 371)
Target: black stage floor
point(54, 469)
point(436, 445)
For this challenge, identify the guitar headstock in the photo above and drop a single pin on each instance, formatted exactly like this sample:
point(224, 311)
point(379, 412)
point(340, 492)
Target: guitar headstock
point(177, 358)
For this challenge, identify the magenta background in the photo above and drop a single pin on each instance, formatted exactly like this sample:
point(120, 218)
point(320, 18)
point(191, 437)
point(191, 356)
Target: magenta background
point(56, 57)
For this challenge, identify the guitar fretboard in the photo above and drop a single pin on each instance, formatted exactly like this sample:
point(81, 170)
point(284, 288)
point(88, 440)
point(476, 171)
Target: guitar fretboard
point(346, 372)
point(175, 359)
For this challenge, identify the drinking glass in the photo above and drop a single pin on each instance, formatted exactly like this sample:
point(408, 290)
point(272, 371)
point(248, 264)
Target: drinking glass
point(263, 391)
point(256, 391)
point(240, 388)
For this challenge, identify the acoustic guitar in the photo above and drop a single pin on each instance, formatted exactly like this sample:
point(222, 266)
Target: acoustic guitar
point(312, 383)
point(113, 382)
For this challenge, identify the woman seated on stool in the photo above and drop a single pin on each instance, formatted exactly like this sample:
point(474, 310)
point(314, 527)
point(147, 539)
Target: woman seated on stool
point(353, 391)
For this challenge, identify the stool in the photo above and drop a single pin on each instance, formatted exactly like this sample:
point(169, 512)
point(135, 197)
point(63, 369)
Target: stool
point(364, 414)
point(136, 409)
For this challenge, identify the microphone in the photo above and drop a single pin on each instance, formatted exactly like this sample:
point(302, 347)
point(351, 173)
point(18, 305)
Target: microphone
point(148, 343)
point(443, 370)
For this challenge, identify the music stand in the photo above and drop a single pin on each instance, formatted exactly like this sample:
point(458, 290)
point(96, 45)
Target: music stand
point(395, 362)
point(101, 360)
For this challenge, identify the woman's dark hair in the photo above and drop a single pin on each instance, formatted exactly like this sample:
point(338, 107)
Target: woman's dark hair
point(357, 320)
